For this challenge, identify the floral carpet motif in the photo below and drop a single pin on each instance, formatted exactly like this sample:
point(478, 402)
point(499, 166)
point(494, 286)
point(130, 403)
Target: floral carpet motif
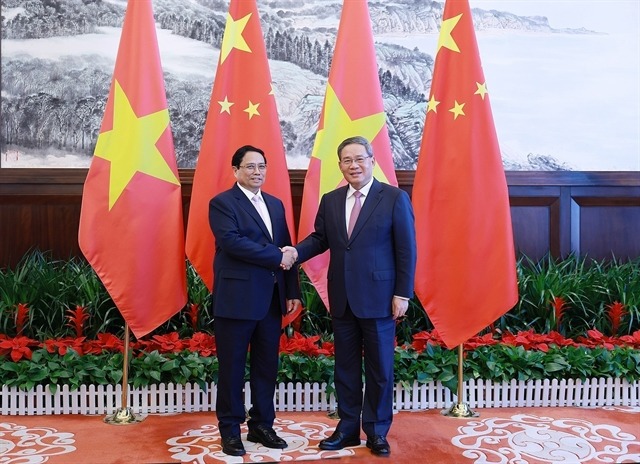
point(32, 445)
point(560, 435)
point(525, 438)
point(198, 446)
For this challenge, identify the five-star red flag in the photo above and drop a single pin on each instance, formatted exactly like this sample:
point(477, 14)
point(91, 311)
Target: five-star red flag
point(131, 225)
point(466, 271)
point(242, 111)
point(353, 106)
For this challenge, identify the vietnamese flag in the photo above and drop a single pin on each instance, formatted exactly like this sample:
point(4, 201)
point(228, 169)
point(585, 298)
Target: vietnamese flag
point(242, 111)
point(466, 271)
point(352, 106)
point(131, 224)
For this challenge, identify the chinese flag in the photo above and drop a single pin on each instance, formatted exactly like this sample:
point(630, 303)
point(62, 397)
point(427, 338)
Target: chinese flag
point(242, 111)
point(352, 106)
point(466, 272)
point(131, 224)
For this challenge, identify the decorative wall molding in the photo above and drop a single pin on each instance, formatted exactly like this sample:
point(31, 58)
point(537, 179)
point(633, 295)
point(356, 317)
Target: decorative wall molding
point(596, 214)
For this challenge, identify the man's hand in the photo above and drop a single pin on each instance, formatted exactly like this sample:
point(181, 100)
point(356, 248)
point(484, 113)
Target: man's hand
point(293, 305)
point(399, 307)
point(292, 250)
point(289, 257)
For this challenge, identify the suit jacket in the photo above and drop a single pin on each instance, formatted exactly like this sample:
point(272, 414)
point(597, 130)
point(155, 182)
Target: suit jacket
point(247, 259)
point(379, 259)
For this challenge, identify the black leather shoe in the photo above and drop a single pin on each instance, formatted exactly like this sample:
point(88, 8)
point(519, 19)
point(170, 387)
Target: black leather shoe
point(267, 436)
point(337, 441)
point(233, 446)
point(379, 445)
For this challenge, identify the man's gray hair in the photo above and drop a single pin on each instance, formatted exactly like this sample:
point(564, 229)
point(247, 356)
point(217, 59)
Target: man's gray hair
point(360, 141)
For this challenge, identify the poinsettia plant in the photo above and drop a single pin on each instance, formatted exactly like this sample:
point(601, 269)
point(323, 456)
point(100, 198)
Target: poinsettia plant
point(169, 358)
point(47, 298)
point(574, 318)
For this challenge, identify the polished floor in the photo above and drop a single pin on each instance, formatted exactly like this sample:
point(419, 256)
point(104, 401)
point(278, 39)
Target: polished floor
point(498, 435)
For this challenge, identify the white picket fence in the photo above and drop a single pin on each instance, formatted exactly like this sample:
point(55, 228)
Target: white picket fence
point(170, 398)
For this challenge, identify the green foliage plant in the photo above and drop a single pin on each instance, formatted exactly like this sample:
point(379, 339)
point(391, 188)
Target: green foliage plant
point(50, 288)
point(497, 363)
point(587, 286)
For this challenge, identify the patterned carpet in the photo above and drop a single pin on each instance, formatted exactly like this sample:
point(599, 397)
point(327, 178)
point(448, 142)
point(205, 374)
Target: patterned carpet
point(504, 436)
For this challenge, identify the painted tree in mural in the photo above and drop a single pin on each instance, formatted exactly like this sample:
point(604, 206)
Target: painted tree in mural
point(46, 89)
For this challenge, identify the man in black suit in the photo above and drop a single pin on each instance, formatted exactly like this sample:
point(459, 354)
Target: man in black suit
point(254, 286)
point(370, 282)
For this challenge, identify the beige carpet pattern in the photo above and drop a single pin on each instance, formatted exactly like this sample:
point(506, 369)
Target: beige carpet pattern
point(496, 436)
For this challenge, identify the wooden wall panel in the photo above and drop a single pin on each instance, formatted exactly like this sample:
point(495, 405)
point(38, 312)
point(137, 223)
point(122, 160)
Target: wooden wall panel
point(28, 222)
point(532, 230)
point(606, 226)
point(592, 213)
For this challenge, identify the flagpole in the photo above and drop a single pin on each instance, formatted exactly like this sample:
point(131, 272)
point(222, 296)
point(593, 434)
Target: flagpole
point(460, 409)
point(124, 415)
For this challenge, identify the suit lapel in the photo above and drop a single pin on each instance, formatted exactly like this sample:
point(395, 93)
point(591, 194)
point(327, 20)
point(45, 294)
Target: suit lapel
point(246, 204)
point(341, 206)
point(370, 203)
point(271, 207)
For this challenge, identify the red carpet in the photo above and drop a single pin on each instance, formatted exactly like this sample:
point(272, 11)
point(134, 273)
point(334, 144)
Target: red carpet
point(499, 435)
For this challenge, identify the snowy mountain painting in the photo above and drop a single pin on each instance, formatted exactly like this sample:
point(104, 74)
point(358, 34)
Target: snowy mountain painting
point(563, 76)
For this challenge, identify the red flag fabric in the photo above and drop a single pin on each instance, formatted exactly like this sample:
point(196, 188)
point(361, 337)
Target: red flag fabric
point(242, 111)
point(466, 272)
point(352, 106)
point(131, 224)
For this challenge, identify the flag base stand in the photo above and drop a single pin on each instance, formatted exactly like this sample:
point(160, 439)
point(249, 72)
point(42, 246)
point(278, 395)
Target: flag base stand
point(459, 410)
point(333, 415)
point(123, 416)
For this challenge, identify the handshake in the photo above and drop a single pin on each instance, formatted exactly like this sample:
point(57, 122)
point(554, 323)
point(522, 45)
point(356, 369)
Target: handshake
point(289, 257)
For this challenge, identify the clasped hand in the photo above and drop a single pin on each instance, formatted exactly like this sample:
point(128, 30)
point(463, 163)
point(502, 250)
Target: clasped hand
point(289, 257)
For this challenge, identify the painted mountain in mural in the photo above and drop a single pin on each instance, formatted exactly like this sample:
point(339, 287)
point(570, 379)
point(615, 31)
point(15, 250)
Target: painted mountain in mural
point(57, 56)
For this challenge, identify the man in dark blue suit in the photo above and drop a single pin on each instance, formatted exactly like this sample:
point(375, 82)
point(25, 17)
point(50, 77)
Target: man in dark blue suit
point(369, 229)
point(254, 286)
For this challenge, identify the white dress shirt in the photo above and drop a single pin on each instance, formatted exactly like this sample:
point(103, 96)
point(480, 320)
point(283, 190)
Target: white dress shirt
point(260, 206)
point(351, 200)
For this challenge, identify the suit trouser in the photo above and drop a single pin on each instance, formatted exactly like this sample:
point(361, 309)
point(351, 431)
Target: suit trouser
point(233, 338)
point(375, 338)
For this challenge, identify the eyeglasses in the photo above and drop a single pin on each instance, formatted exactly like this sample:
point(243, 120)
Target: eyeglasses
point(252, 167)
point(359, 160)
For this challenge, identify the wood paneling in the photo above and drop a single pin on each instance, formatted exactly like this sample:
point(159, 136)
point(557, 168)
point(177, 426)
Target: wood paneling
point(588, 213)
point(605, 226)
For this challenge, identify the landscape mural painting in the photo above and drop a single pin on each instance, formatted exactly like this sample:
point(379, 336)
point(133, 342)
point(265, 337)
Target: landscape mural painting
point(563, 75)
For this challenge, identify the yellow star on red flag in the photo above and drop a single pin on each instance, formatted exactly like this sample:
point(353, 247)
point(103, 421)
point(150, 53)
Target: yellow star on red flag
point(482, 89)
point(337, 126)
point(353, 106)
point(460, 195)
point(242, 111)
point(432, 105)
point(131, 226)
point(445, 39)
point(233, 37)
point(225, 105)
point(131, 145)
point(252, 109)
point(457, 110)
